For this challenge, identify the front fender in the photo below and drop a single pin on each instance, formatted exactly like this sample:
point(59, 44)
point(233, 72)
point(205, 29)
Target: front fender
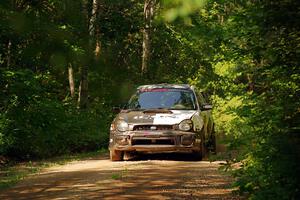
point(198, 122)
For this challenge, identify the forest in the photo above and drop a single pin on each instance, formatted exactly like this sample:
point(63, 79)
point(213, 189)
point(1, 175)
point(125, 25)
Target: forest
point(65, 63)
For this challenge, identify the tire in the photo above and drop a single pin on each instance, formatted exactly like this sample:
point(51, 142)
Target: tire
point(213, 144)
point(198, 155)
point(128, 155)
point(203, 146)
point(116, 155)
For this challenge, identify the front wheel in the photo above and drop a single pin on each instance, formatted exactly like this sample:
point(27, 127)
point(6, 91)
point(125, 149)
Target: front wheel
point(203, 146)
point(213, 144)
point(116, 155)
point(128, 155)
point(198, 155)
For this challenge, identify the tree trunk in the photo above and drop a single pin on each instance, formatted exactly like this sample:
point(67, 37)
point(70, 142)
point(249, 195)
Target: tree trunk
point(94, 30)
point(148, 15)
point(9, 53)
point(98, 44)
point(83, 88)
point(93, 19)
point(71, 81)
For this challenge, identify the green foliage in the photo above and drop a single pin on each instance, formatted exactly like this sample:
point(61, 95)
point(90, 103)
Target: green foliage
point(244, 53)
point(12, 173)
point(252, 70)
point(181, 8)
point(34, 123)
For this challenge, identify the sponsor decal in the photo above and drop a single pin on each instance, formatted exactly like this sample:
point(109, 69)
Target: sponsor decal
point(164, 118)
point(145, 117)
point(154, 90)
point(170, 119)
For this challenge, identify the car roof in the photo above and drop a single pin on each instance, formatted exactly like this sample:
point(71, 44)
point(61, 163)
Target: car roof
point(165, 85)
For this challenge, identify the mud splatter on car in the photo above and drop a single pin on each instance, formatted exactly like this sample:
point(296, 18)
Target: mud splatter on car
point(163, 118)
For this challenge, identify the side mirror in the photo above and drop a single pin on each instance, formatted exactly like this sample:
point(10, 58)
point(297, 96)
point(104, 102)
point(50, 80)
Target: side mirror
point(116, 110)
point(206, 107)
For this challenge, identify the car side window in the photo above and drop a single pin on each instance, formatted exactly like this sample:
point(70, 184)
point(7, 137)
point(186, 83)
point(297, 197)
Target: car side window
point(201, 99)
point(206, 98)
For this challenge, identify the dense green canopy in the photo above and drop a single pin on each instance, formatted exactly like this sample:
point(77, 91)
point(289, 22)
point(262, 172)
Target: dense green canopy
point(245, 54)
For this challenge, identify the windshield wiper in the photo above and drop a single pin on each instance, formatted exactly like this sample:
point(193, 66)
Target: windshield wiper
point(132, 109)
point(158, 110)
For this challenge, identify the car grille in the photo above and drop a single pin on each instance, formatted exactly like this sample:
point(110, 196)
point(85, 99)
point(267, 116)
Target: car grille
point(153, 142)
point(152, 127)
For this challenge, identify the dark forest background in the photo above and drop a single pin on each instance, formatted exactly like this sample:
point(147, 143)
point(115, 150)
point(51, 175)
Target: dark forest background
point(65, 63)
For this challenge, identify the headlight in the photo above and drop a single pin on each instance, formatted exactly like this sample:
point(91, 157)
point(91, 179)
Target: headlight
point(122, 126)
point(185, 125)
point(112, 127)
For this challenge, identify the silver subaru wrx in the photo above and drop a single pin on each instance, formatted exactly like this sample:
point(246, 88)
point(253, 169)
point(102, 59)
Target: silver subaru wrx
point(163, 118)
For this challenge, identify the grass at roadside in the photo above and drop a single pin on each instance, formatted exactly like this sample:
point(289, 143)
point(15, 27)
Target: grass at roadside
point(12, 173)
point(121, 175)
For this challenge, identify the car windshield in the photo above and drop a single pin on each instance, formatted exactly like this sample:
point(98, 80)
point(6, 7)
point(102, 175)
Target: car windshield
point(172, 99)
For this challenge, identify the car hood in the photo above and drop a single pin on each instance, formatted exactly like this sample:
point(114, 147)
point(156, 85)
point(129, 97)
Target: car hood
point(163, 118)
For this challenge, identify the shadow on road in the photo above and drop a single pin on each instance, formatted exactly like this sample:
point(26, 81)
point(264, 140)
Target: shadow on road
point(165, 156)
point(150, 176)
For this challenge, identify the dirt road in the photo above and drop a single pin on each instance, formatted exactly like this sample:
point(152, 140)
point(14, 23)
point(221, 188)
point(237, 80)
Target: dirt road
point(147, 177)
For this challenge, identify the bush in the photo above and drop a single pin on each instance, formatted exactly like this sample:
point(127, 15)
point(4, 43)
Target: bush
point(35, 124)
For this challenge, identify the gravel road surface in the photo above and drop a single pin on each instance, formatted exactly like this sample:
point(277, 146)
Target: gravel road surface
point(160, 176)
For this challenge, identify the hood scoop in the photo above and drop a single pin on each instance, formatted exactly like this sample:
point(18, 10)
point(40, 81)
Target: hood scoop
point(158, 110)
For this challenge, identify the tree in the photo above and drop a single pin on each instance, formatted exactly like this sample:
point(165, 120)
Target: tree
point(47, 37)
point(83, 88)
point(252, 68)
point(71, 81)
point(149, 7)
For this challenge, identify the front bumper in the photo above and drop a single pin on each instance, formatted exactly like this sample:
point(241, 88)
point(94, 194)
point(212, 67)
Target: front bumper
point(154, 141)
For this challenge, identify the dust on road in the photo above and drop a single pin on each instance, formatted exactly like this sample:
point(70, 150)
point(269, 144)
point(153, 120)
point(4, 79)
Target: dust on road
point(154, 177)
